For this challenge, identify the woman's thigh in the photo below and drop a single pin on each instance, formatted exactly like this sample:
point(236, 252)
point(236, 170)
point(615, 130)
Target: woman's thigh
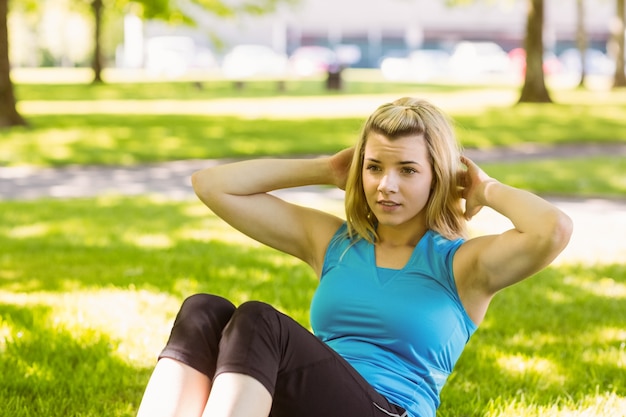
point(310, 379)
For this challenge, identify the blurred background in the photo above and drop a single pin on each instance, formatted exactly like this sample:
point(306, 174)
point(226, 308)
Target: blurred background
point(102, 236)
point(416, 40)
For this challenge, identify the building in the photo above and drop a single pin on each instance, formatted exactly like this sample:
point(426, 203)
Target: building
point(380, 26)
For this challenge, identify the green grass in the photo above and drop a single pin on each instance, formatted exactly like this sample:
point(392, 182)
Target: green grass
point(571, 177)
point(113, 139)
point(542, 124)
point(89, 288)
point(85, 124)
point(553, 345)
point(207, 86)
point(128, 140)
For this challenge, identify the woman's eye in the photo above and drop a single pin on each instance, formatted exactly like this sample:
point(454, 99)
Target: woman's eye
point(409, 170)
point(373, 168)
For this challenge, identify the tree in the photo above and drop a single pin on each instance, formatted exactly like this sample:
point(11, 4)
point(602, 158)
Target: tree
point(581, 40)
point(9, 115)
point(97, 7)
point(169, 11)
point(619, 80)
point(534, 89)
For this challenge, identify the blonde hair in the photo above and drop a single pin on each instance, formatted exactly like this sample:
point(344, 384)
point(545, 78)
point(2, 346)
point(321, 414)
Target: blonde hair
point(407, 117)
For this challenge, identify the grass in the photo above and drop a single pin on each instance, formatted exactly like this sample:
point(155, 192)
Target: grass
point(572, 177)
point(119, 139)
point(130, 123)
point(89, 288)
point(206, 86)
point(127, 140)
point(553, 345)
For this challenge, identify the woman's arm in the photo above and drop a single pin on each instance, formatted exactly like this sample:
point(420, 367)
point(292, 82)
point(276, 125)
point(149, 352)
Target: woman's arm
point(239, 194)
point(541, 231)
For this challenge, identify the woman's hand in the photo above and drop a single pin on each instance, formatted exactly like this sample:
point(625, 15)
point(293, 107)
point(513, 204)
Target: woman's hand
point(473, 181)
point(340, 167)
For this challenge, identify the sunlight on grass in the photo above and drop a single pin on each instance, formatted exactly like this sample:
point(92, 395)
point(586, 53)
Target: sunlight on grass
point(603, 287)
point(577, 176)
point(521, 365)
point(130, 123)
point(89, 289)
point(137, 322)
point(29, 231)
point(599, 405)
point(612, 335)
point(161, 241)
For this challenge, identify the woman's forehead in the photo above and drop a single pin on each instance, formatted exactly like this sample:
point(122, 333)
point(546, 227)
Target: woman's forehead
point(381, 145)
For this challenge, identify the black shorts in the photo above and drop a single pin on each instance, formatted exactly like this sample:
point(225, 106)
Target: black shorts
point(305, 377)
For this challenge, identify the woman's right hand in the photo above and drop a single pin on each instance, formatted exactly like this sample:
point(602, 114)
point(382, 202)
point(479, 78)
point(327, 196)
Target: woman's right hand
point(340, 166)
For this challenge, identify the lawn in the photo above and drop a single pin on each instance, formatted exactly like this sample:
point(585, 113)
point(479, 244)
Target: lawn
point(89, 287)
point(130, 123)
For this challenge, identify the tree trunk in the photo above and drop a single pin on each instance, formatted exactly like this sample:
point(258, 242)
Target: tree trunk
point(581, 40)
point(618, 38)
point(534, 89)
point(8, 113)
point(97, 7)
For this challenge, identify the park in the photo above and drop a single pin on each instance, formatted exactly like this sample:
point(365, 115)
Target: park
point(89, 285)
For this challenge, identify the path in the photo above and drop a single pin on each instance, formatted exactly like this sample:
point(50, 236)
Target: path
point(600, 224)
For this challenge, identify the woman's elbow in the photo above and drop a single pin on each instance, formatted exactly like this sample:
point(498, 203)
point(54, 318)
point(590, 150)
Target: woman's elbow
point(561, 232)
point(200, 182)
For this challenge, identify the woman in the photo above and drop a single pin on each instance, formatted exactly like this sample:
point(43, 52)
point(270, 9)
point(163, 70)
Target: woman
point(401, 289)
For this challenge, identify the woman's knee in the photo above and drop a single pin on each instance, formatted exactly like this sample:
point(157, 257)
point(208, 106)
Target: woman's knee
point(203, 313)
point(202, 303)
point(255, 309)
point(251, 317)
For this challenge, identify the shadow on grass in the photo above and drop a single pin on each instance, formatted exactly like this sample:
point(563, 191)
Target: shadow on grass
point(556, 338)
point(540, 124)
point(141, 243)
point(98, 248)
point(553, 339)
point(118, 139)
point(49, 371)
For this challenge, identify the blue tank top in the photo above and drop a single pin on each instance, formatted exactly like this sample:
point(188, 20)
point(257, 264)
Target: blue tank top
point(402, 330)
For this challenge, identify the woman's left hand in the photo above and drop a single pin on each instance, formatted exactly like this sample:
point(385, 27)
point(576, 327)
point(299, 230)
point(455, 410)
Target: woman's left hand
point(473, 181)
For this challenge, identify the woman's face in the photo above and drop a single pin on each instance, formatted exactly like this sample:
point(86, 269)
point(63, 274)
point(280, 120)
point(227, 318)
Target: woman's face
point(397, 178)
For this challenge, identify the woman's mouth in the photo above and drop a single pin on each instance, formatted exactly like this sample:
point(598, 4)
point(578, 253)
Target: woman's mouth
point(388, 204)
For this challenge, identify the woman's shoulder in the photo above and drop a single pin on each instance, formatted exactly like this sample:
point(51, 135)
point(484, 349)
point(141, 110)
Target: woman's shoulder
point(440, 242)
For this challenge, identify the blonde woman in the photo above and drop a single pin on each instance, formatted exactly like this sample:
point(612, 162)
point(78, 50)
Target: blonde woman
point(402, 287)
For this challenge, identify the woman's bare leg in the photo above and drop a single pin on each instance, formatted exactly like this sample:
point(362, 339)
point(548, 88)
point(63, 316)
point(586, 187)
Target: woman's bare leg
point(238, 395)
point(174, 390)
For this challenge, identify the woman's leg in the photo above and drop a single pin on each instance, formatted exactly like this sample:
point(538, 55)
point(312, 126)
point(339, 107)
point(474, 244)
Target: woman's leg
point(266, 363)
point(238, 395)
point(181, 381)
point(174, 389)
point(269, 362)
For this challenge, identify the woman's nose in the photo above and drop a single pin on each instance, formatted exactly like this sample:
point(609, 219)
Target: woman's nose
point(388, 184)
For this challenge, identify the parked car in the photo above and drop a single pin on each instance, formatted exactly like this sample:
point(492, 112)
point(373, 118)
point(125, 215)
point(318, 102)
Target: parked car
point(312, 60)
point(417, 65)
point(174, 55)
point(596, 62)
point(479, 58)
point(551, 63)
point(245, 61)
point(395, 66)
point(427, 64)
